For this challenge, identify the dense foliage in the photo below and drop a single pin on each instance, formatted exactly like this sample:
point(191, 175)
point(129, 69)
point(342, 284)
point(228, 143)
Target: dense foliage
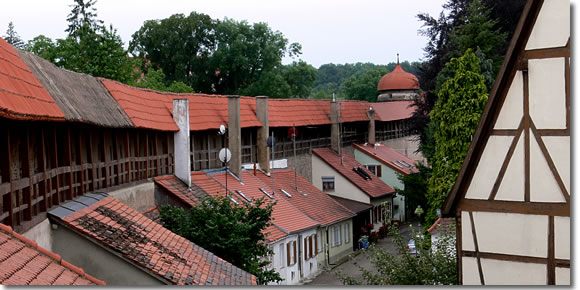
point(456, 114)
point(433, 265)
point(12, 36)
point(416, 185)
point(233, 232)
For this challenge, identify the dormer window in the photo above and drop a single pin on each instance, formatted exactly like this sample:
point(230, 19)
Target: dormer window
point(374, 169)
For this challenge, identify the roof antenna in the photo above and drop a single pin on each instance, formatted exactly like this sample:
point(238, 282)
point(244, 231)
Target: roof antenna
point(397, 58)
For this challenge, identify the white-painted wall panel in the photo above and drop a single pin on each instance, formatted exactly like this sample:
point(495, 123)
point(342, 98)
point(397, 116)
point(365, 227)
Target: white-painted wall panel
point(559, 149)
point(562, 237)
point(512, 234)
point(488, 167)
point(552, 27)
point(512, 110)
point(562, 276)
point(547, 93)
point(496, 272)
point(470, 271)
point(512, 185)
point(466, 234)
point(543, 185)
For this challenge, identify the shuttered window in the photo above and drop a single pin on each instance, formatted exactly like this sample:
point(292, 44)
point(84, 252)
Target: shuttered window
point(310, 247)
point(288, 254)
point(316, 244)
point(306, 248)
point(294, 246)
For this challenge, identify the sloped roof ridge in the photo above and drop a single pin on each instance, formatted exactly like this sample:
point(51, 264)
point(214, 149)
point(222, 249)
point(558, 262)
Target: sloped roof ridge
point(49, 254)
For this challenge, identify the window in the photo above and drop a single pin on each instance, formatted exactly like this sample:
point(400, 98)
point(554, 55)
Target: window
point(306, 249)
point(337, 234)
point(374, 169)
point(328, 183)
point(346, 233)
point(291, 253)
point(310, 251)
point(281, 258)
point(318, 242)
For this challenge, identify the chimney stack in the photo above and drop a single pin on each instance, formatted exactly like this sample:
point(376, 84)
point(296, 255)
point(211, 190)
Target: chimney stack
point(234, 135)
point(181, 141)
point(262, 139)
point(371, 114)
point(335, 130)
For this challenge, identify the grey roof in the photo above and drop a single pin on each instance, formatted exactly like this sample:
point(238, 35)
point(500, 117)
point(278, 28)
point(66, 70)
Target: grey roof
point(71, 206)
point(80, 97)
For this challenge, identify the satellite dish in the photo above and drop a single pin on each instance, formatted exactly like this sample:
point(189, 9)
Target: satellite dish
point(222, 129)
point(225, 154)
point(271, 141)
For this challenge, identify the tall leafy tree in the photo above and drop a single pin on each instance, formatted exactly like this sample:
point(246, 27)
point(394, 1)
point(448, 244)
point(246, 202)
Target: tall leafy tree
point(82, 13)
point(42, 46)
point(12, 36)
point(456, 114)
point(233, 232)
point(364, 87)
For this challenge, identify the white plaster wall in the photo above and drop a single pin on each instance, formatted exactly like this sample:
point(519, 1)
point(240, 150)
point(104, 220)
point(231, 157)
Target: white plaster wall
point(562, 237)
point(342, 186)
point(283, 268)
point(41, 234)
point(512, 110)
point(512, 185)
point(547, 92)
point(139, 197)
point(509, 233)
point(466, 235)
point(543, 185)
point(562, 276)
point(552, 28)
point(310, 265)
point(340, 252)
point(559, 149)
point(470, 271)
point(496, 272)
point(488, 168)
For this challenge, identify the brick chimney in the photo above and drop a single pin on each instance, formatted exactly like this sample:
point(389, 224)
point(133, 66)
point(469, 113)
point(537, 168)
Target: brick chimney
point(181, 141)
point(262, 139)
point(235, 135)
point(371, 114)
point(334, 131)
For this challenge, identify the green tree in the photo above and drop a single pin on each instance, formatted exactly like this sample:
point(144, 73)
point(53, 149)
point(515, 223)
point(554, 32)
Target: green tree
point(12, 36)
point(42, 46)
point(82, 13)
point(364, 86)
point(295, 80)
point(233, 232)
point(455, 116)
point(155, 79)
point(433, 265)
point(415, 187)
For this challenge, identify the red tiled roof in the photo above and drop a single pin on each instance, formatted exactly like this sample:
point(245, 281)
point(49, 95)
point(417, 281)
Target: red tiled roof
point(146, 108)
point(23, 262)
point(388, 156)
point(153, 247)
point(353, 205)
point(298, 112)
point(22, 97)
point(284, 215)
point(210, 185)
point(354, 111)
point(442, 224)
point(398, 79)
point(393, 111)
point(191, 196)
point(374, 187)
point(309, 199)
point(210, 111)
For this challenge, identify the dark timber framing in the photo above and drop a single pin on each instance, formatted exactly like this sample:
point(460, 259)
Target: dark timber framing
point(516, 59)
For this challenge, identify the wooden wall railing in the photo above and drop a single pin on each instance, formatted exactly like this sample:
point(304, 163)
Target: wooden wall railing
point(45, 164)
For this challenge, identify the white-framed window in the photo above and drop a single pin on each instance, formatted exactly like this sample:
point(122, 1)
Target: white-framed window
point(291, 253)
point(346, 233)
point(318, 243)
point(375, 169)
point(327, 183)
point(337, 236)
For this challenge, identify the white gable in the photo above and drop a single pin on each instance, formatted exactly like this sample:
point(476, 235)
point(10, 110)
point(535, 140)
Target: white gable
point(552, 28)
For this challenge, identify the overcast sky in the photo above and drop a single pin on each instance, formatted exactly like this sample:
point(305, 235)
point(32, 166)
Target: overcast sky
point(329, 31)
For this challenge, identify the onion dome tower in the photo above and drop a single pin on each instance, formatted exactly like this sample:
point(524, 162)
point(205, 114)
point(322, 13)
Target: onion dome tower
point(398, 85)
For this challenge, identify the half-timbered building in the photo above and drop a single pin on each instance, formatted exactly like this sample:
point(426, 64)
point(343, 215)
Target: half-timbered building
point(512, 197)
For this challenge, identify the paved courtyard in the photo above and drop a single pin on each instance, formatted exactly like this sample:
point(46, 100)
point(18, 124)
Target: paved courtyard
point(349, 267)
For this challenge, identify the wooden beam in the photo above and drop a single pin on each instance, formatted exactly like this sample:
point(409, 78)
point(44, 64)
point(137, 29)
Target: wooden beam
point(127, 153)
point(551, 264)
point(80, 149)
point(147, 153)
point(8, 201)
point(94, 173)
point(46, 202)
point(157, 157)
point(552, 52)
point(481, 279)
point(526, 136)
point(69, 157)
point(106, 159)
point(137, 154)
point(27, 192)
point(59, 198)
point(459, 248)
point(506, 162)
point(538, 208)
point(169, 171)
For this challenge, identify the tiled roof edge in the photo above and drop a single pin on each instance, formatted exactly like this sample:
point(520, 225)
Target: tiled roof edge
point(378, 158)
point(54, 256)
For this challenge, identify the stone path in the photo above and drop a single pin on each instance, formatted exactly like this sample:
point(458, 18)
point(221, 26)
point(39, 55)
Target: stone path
point(349, 267)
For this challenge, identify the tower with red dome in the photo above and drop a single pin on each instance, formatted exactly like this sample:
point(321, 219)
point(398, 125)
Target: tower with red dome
point(398, 85)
